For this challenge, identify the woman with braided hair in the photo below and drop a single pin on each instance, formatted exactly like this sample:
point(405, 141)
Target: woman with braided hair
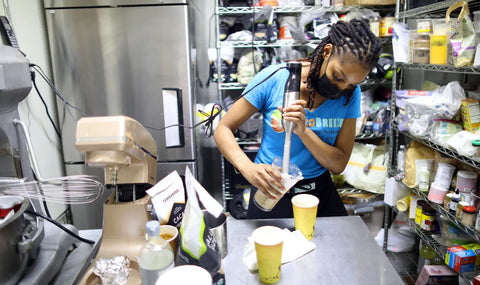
point(324, 116)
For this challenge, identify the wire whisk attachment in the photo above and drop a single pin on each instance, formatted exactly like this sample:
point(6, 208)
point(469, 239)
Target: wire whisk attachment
point(74, 189)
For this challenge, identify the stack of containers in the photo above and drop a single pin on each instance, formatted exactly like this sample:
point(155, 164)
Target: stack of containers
point(429, 42)
point(443, 179)
point(420, 42)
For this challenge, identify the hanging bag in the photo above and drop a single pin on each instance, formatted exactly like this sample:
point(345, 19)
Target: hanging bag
point(197, 243)
point(462, 35)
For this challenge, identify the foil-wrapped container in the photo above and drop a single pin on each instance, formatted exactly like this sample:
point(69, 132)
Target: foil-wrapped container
point(113, 271)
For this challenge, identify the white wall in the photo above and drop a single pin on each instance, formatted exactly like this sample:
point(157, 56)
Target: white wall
point(28, 22)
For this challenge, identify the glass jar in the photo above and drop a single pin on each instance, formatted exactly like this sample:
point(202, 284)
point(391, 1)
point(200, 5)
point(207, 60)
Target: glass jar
point(468, 216)
point(428, 218)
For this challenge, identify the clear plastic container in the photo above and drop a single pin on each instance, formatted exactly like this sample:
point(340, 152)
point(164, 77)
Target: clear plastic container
point(156, 255)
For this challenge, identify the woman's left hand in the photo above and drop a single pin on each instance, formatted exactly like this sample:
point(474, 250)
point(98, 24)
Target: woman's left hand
point(296, 113)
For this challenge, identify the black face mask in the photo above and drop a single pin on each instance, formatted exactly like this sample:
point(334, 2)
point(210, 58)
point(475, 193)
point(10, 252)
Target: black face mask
point(327, 89)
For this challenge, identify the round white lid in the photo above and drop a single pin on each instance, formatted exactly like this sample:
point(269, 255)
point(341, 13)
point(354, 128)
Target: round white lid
point(185, 275)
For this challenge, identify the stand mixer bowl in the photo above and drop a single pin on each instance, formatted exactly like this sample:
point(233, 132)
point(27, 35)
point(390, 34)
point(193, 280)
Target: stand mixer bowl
point(16, 249)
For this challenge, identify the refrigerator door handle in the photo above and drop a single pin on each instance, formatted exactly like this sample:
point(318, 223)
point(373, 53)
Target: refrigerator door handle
point(173, 117)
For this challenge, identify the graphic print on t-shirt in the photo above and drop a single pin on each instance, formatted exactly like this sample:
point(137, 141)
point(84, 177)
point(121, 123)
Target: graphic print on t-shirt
point(276, 120)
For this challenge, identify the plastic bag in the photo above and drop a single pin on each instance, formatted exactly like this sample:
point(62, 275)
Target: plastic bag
point(367, 167)
point(462, 37)
point(443, 104)
point(462, 143)
point(401, 237)
point(249, 65)
point(415, 151)
point(401, 42)
point(442, 130)
point(197, 244)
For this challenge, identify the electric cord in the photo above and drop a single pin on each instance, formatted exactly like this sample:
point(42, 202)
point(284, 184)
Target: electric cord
point(45, 206)
point(208, 121)
point(56, 91)
point(45, 105)
point(217, 107)
point(33, 213)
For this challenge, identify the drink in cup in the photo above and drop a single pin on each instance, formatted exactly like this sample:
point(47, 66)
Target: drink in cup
point(305, 213)
point(268, 247)
point(169, 234)
point(266, 203)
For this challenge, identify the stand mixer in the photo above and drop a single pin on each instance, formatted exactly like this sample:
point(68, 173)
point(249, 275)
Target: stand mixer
point(122, 146)
point(35, 252)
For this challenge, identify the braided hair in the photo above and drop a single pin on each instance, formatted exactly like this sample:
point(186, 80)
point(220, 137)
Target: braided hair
point(355, 38)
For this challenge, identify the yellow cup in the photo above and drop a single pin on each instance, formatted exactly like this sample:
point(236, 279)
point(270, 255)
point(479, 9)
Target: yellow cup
point(305, 213)
point(268, 246)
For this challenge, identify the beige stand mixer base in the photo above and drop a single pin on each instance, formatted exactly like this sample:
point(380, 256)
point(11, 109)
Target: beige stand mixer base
point(123, 234)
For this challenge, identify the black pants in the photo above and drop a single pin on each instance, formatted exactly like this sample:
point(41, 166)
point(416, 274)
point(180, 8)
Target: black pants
point(322, 186)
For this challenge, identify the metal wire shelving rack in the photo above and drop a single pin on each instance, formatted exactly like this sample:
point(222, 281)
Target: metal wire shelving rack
point(298, 9)
point(433, 10)
point(439, 68)
point(436, 10)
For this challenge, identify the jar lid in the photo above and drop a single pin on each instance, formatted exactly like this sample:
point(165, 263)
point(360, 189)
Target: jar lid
point(421, 203)
point(469, 209)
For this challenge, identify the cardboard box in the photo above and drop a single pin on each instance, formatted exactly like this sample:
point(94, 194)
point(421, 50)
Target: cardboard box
point(123, 234)
point(470, 110)
point(437, 274)
point(461, 259)
point(370, 2)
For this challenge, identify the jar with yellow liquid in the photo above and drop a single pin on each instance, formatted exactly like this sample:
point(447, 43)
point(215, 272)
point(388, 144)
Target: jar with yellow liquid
point(438, 42)
point(438, 49)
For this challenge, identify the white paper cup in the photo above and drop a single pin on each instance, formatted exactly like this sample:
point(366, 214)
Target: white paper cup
point(185, 275)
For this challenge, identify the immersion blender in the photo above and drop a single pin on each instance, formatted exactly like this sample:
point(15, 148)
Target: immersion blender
point(292, 93)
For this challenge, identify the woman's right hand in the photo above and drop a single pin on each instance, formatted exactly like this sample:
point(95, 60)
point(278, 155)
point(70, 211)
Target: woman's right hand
point(265, 178)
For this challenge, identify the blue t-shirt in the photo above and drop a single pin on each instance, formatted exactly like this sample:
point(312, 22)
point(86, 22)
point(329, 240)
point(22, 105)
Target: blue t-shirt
point(325, 121)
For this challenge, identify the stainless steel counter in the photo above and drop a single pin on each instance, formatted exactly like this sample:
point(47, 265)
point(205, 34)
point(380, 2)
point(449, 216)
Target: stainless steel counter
point(345, 254)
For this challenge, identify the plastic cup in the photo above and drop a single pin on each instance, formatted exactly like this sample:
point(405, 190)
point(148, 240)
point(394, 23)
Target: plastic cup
point(268, 247)
point(403, 204)
point(305, 213)
point(266, 203)
point(170, 234)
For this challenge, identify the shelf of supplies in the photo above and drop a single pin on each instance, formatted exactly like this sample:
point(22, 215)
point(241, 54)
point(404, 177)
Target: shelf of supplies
point(440, 249)
point(239, 86)
point(279, 43)
point(369, 82)
point(440, 209)
point(369, 136)
point(299, 9)
point(232, 86)
point(450, 152)
point(435, 8)
point(426, 236)
point(439, 68)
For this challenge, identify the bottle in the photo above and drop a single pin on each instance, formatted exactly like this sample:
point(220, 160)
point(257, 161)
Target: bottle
point(477, 222)
point(156, 255)
point(454, 203)
point(401, 159)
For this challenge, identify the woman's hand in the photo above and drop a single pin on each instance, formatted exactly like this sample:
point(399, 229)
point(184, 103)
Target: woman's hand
point(265, 178)
point(296, 113)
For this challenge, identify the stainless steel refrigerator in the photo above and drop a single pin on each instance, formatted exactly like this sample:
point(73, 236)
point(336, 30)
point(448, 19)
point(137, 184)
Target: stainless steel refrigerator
point(118, 57)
